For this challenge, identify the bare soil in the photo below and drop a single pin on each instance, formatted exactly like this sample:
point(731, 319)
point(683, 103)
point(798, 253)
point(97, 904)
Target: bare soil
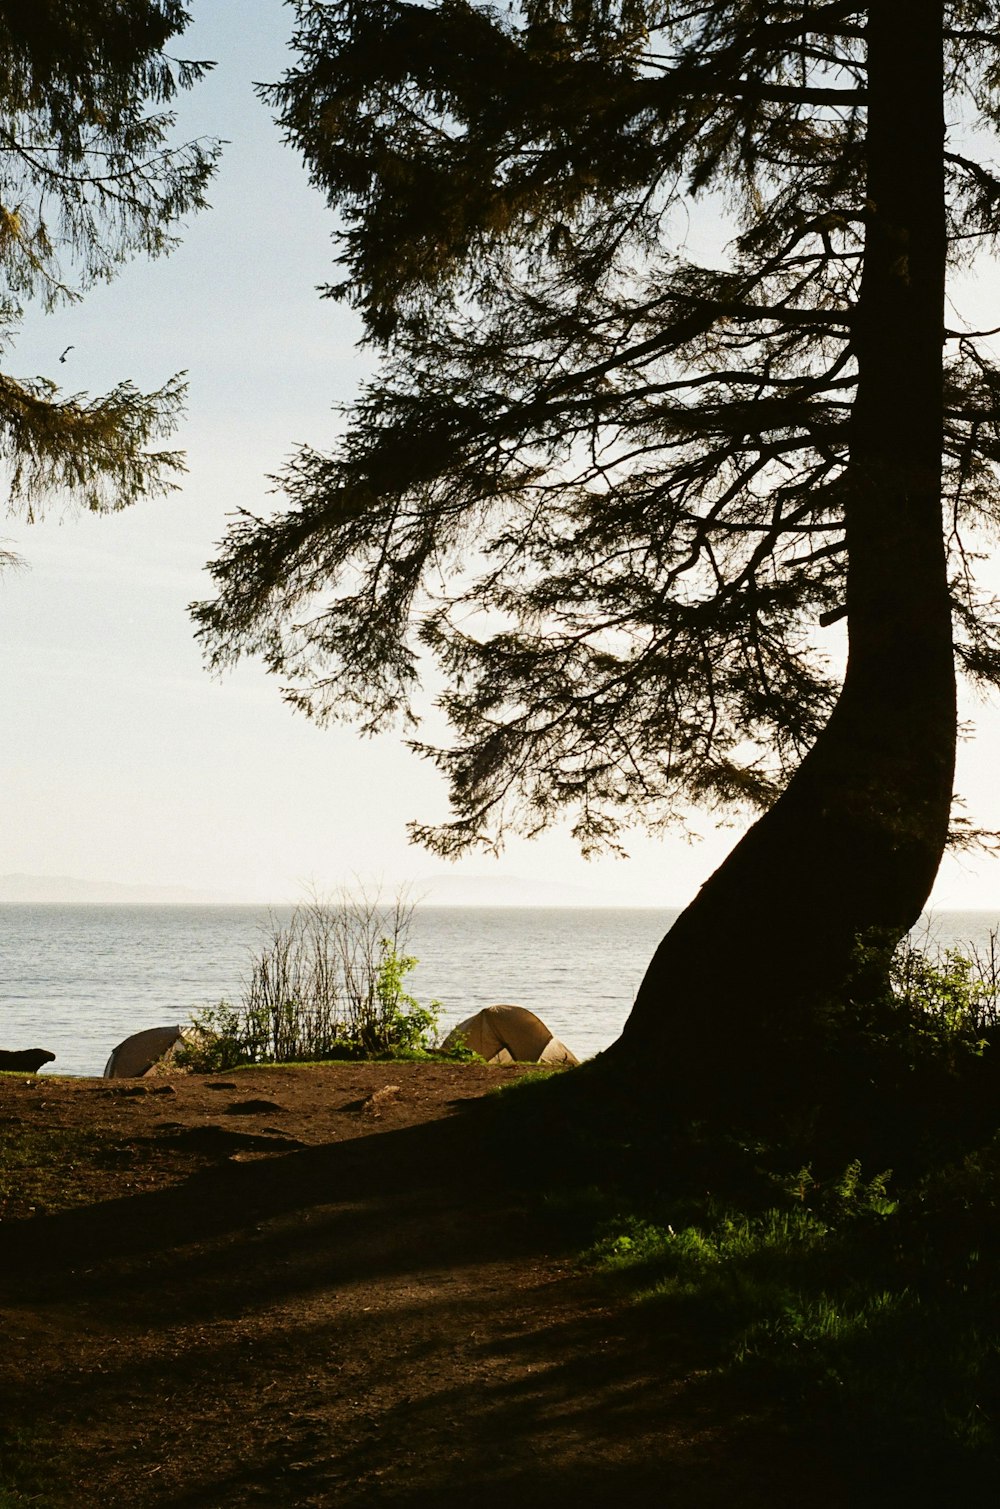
point(308, 1286)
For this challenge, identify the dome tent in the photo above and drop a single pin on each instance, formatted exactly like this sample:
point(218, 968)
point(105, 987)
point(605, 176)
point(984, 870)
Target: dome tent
point(509, 1035)
point(138, 1053)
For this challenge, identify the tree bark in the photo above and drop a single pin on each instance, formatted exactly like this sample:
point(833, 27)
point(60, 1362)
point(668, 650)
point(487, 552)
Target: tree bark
point(852, 846)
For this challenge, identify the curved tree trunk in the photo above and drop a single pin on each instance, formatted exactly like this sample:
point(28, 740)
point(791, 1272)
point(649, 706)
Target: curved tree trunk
point(853, 844)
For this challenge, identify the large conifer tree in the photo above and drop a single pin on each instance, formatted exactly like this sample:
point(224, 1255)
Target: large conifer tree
point(89, 177)
point(621, 495)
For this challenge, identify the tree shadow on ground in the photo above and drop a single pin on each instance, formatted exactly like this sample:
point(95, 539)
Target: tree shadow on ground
point(376, 1320)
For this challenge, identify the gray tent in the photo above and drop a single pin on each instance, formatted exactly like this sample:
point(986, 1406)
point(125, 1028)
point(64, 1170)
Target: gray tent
point(508, 1035)
point(141, 1051)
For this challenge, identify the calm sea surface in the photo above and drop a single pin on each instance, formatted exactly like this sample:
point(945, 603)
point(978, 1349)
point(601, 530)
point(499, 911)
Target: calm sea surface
point(79, 979)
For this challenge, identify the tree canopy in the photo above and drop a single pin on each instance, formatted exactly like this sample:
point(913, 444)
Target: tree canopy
point(602, 483)
point(89, 177)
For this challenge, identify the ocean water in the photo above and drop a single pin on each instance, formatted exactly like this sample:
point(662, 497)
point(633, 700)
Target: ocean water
point(79, 979)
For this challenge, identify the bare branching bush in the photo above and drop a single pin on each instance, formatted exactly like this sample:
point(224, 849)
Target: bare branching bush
point(329, 983)
point(959, 988)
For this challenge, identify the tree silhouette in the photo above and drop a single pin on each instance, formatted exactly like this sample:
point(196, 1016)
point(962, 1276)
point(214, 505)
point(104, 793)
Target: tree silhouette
point(88, 179)
point(621, 496)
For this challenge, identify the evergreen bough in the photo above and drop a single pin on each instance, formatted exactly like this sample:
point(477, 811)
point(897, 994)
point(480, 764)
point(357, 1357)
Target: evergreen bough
point(89, 177)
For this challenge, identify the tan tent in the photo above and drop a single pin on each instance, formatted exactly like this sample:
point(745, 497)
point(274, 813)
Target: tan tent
point(508, 1035)
point(141, 1051)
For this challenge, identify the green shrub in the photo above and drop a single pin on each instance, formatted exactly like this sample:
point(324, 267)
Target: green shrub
point(875, 1314)
point(329, 983)
point(901, 1068)
point(956, 989)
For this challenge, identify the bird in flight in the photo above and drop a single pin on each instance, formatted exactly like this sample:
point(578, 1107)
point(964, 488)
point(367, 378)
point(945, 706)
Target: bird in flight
point(66, 353)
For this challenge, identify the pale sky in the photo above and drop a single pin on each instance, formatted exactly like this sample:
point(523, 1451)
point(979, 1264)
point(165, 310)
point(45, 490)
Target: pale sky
point(121, 759)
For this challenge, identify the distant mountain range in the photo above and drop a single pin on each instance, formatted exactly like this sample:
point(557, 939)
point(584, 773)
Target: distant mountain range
point(429, 890)
point(66, 890)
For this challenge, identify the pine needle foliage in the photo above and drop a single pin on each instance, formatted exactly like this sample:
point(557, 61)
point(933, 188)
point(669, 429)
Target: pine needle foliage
point(90, 177)
point(600, 483)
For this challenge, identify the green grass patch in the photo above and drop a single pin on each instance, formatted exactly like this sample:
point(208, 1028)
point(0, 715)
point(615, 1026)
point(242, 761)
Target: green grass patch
point(40, 1168)
point(867, 1313)
point(26, 1471)
point(400, 1056)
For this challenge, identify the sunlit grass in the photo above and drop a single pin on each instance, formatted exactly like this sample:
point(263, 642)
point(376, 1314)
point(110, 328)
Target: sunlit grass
point(40, 1168)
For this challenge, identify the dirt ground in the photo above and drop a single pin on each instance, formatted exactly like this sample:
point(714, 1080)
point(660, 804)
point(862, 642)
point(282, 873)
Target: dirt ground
point(306, 1286)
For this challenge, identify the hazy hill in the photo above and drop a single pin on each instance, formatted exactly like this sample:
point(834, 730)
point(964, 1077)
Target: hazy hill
point(65, 889)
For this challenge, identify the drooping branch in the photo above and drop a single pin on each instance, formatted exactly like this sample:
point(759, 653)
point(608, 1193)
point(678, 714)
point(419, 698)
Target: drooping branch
point(89, 177)
point(591, 476)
